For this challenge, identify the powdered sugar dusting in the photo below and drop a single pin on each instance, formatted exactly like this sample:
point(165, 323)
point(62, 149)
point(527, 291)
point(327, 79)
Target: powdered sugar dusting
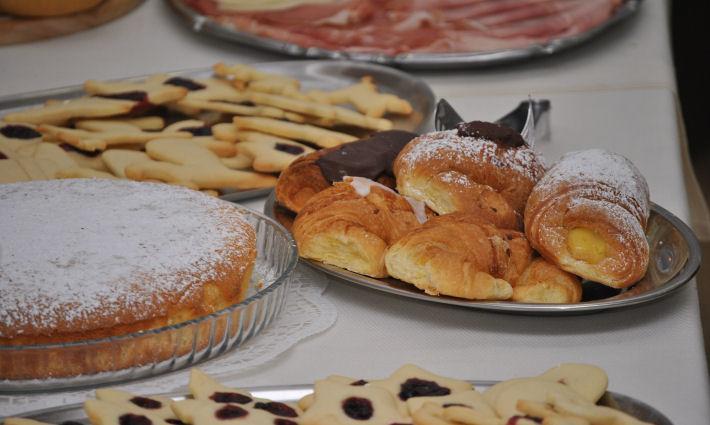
point(88, 250)
point(448, 145)
point(614, 178)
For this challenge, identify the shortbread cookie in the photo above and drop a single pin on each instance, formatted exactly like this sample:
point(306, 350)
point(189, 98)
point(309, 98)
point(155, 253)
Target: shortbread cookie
point(152, 92)
point(590, 412)
point(60, 112)
point(83, 158)
point(315, 109)
point(118, 159)
point(107, 413)
point(204, 387)
point(532, 390)
point(17, 136)
point(99, 140)
point(184, 152)
point(434, 414)
point(48, 151)
point(316, 135)
point(412, 381)
point(240, 161)
point(202, 136)
point(365, 98)
point(471, 399)
point(271, 153)
point(306, 401)
point(199, 176)
point(11, 171)
point(82, 173)
point(153, 123)
point(153, 405)
point(339, 403)
point(201, 412)
point(587, 380)
point(225, 131)
point(246, 76)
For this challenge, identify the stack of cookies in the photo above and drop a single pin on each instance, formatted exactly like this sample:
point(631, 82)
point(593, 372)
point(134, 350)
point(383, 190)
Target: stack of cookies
point(233, 131)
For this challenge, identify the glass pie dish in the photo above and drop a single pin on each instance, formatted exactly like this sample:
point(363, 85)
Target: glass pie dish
point(156, 351)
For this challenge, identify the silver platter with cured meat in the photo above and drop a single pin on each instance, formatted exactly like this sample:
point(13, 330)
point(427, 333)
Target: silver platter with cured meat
point(537, 47)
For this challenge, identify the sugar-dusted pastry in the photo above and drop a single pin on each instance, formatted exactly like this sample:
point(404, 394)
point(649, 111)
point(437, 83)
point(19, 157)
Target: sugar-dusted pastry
point(104, 261)
point(370, 157)
point(544, 282)
point(588, 215)
point(351, 225)
point(480, 168)
point(460, 255)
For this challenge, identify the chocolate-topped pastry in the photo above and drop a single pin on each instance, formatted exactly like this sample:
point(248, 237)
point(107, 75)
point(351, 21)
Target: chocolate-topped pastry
point(501, 135)
point(371, 158)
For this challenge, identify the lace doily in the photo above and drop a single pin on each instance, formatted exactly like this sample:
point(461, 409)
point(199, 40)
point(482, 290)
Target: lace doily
point(306, 313)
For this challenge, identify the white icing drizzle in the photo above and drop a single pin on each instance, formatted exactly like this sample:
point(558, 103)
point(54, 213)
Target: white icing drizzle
point(362, 187)
point(77, 250)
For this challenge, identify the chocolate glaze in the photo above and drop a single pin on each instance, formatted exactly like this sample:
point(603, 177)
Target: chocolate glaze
point(205, 130)
point(370, 157)
point(503, 136)
point(136, 95)
point(69, 148)
point(292, 149)
point(185, 83)
point(17, 131)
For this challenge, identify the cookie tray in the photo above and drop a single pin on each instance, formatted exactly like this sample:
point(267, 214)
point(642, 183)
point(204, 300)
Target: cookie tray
point(674, 259)
point(436, 61)
point(291, 393)
point(177, 346)
point(313, 74)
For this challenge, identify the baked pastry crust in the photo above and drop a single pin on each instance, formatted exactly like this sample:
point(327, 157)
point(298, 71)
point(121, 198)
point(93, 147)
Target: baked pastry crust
point(118, 257)
point(352, 230)
point(602, 196)
point(544, 283)
point(460, 255)
point(453, 172)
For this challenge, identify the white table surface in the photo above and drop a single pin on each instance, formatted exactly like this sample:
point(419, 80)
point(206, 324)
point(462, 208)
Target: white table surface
point(616, 92)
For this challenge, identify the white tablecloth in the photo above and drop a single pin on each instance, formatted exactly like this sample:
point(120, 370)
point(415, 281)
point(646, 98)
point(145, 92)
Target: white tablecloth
point(615, 92)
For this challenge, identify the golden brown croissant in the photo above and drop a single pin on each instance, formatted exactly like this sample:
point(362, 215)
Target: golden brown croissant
point(351, 225)
point(481, 168)
point(301, 180)
point(588, 215)
point(460, 255)
point(544, 282)
point(370, 158)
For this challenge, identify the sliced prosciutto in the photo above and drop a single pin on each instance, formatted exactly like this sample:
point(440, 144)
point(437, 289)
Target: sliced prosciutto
point(410, 26)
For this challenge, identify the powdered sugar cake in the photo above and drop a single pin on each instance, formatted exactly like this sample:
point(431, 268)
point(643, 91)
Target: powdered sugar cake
point(84, 259)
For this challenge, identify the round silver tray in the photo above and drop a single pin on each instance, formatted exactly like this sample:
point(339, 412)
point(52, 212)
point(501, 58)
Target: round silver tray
point(204, 24)
point(674, 259)
point(292, 393)
point(176, 346)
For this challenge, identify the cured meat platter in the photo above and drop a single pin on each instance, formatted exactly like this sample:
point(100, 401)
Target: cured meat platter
point(528, 31)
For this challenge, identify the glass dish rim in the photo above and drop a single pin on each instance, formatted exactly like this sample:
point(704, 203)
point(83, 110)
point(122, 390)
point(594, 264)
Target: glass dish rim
point(278, 282)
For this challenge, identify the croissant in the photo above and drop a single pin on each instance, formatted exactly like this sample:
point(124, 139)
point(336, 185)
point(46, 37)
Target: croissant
point(544, 282)
point(481, 168)
point(370, 158)
point(351, 225)
point(588, 215)
point(460, 255)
